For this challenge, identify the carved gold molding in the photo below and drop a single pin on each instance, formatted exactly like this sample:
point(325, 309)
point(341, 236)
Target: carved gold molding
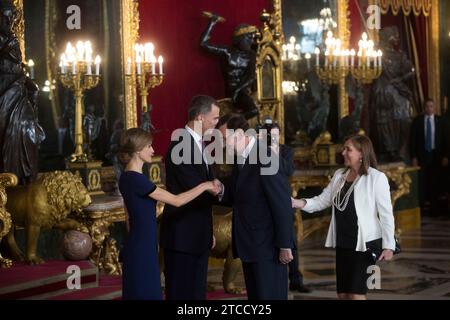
point(269, 48)
point(344, 35)
point(19, 28)
point(104, 251)
point(433, 54)
point(130, 35)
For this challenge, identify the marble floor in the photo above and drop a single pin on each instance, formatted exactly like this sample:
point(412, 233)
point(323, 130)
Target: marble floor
point(420, 272)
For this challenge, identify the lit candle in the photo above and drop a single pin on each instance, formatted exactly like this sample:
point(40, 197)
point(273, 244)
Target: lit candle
point(326, 58)
point(160, 61)
point(146, 52)
point(308, 58)
point(368, 56)
point(63, 63)
point(359, 58)
point(80, 51)
point(284, 47)
point(336, 54)
point(88, 65)
point(31, 65)
point(97, 65)
point(153, 63)
point(375, 58)
point(352, 53)
point(138, 64)
point(380, 54)
point(74, 65)
point(298, 49)
point(317, 53)
point(129, 66)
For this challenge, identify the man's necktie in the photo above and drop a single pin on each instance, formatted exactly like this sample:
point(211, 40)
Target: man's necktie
point(429, 136)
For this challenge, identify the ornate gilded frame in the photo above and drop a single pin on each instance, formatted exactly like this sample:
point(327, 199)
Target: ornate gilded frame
point(269, 48)
point(276, 25)
point(129, 35)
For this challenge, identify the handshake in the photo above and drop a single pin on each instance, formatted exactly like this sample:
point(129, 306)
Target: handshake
point(298, 203)
point(214, 187)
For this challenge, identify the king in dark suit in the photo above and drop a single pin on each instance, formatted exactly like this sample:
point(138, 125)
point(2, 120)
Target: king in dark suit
point(186, 232)
point(262, 217)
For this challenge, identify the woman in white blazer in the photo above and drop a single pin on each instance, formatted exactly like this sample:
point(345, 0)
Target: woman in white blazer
point(361, 212)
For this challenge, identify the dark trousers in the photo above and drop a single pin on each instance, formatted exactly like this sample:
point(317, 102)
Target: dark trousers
point(428, 181)
point(295, 275)
point(265, 280)
point(186, 275)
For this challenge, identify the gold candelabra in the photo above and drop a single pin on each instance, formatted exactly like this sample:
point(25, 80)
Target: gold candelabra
point(76, 75)
point(339, 62)
point(147, 76)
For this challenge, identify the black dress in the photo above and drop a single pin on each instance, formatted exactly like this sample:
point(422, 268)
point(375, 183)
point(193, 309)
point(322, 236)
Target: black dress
point(141, 276)
point(351, 265)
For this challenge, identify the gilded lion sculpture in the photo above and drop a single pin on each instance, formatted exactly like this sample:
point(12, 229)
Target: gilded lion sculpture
point(45, 203)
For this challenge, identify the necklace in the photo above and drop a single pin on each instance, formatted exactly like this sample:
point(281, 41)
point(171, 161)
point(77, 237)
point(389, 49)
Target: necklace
point(339, 201)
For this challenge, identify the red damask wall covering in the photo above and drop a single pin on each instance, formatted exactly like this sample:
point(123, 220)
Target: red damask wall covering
point(175, 27)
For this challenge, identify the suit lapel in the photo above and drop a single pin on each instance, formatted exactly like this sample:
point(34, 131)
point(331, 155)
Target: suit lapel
point(196, 153)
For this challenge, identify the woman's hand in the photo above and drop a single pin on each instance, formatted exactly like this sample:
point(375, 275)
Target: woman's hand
point(387, 255)
point(298, 203)
point(212, 187)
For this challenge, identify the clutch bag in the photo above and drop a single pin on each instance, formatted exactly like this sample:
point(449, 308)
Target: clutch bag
point(375, 248)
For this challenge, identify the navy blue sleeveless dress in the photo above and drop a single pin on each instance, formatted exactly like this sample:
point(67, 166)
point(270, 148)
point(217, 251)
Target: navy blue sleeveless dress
point(141, 276)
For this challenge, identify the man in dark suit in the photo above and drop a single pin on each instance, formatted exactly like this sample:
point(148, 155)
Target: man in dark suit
point(287, 168)
point(426, 152)
point(262, 215)
point(186, 232)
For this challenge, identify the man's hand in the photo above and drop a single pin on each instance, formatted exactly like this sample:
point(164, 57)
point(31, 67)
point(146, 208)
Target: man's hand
point(214, 189)
point(445, 162)
point(414, 162)
point(219, 187)
point(286, 256)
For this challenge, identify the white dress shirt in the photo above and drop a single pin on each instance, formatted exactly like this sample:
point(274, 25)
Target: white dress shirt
point(198, 141)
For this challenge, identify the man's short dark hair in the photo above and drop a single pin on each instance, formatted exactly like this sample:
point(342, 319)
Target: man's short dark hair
point(200, 105)
point(237, 122)
point(428, 100)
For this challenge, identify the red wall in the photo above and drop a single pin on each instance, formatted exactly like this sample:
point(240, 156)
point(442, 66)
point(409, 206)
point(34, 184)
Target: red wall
point(175, 28)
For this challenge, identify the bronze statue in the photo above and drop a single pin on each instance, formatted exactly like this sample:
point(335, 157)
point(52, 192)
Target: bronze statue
point(49, 201)
point(20, 132)
point(392, 99)
point(240, 62)
point(91, 127)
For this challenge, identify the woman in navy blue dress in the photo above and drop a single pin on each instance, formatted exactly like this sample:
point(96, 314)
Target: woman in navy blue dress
point(141, 275)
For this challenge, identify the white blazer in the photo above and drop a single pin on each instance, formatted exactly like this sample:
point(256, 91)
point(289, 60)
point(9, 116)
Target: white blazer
point(373, 208)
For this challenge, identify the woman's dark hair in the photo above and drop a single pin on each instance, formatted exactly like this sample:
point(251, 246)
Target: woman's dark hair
point(131, 141)
point(364, 145)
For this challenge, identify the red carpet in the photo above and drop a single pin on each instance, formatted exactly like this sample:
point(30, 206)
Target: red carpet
point(22, 281)
point(48, 281)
